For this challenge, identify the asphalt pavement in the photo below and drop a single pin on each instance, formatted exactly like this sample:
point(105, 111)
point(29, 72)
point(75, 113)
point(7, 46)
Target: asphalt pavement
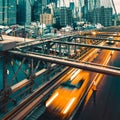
point(107, 105)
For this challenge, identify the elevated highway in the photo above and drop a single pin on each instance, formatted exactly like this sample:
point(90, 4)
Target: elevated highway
point(18, 50)
point(104, 61)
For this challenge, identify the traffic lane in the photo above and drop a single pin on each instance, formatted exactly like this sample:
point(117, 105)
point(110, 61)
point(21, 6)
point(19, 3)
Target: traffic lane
point(62, 106)
point(68, 77)
point(93, 56)
point(96, 76)
point(97, 57)
point(107, 105)
point(107, 98)
point(103, 54)
point(102, 58)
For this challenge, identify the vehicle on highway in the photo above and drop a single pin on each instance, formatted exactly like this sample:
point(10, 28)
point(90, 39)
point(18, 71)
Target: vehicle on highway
point(110, 40)
point(67, 96)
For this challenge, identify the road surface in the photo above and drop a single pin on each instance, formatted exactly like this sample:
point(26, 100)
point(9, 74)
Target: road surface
point(107, 105)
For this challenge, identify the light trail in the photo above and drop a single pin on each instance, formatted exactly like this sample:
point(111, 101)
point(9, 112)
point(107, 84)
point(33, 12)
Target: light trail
point(69, 105)
point(49, 102)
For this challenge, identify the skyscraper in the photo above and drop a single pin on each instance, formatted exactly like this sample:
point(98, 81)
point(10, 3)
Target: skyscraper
point(7, 12)
point(85, 10)
point(37, 10)
point(94, 13)
point(93, 4)
point(24, 12)
point(53, 1)
point(106, 16)
point(72, 7)
point(97, 4)
point(66, 16)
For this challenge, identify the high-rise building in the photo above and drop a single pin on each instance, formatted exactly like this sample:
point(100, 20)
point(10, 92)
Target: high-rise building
point(52, 1)
point(7, 12)
point(41, 7)
point(38, 8)
point(44, 2)
point(72, 7)
point(94, 16)
point(106, 16)
point(97, 4)
point(46, 19)
point(101, 15)
point(24, 12)
point(93, 4)
point(89, 6)
point(85, 10)
point(66, 16)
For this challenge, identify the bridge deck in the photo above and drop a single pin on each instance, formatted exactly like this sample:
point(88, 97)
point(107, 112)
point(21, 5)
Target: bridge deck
point(7, 45)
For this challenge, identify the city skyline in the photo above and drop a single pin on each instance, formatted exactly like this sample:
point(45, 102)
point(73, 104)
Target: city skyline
point(116, 2)
point(117, 5)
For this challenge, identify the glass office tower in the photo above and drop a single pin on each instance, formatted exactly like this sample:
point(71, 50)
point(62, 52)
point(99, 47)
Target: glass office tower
point(7, 12)
point(24, 12)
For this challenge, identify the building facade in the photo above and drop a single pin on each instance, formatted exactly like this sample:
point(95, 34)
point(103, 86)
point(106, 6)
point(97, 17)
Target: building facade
point(101, 15)
point(37, 10)
point(92, 4)
point(84, 10)
point(7, 12)
point(43, 6)
point(106, 16)
point(66, 16)
point(24, 12)
point(46, 19)
point(94, 13)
